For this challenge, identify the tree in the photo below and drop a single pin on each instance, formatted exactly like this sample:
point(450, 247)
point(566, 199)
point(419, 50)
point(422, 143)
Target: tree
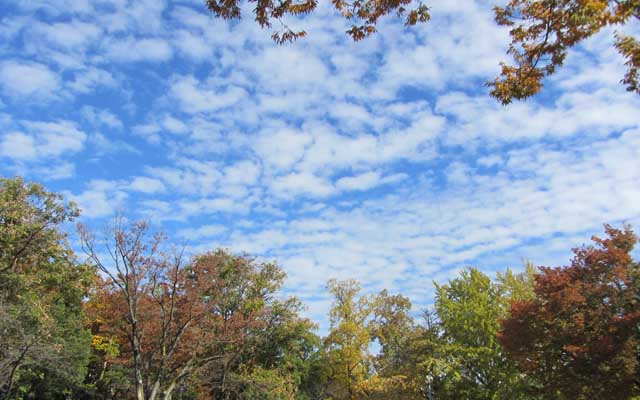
point(43, 348)
point(346, 346)
point(257, 346)
point(211, 325)
point(578, 338)
point(469, 309)
point(397, 375)
point(151, 303)
point(542, 31)
point(287, 345)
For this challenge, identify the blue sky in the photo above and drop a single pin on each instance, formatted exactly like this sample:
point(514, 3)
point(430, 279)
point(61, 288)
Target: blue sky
point(384, 160)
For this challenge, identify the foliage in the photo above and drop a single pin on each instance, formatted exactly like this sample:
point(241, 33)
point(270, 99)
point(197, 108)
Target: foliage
point(156, 325)
point(43, 348)
point(469, 309)
point(543, 30)
point(267, 384)
point(149, 303)
point(253, 334)
point(213, 323)
point(346, 347)
point(578, 337)
point(394, 330)
point(363, 13)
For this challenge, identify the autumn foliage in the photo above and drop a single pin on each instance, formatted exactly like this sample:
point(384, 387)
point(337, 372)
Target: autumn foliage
point(140, 320)
point(541, 31)
point(364, 14)
point(578, 337)
point(208, 323)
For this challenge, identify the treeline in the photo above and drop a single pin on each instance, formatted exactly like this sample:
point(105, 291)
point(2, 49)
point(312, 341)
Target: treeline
point(131, 317)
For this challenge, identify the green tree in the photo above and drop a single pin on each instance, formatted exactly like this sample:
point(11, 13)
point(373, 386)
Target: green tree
point(469, 309)
point(44, 349)
point(254, 334)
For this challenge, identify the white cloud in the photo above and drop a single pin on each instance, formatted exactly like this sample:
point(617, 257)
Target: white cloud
point(578, 113)
point(28, 79)
point(63, 170)
point(193, 45)
point(556, 196)
point(42, 140)
point(368, 180)
point(490, 160)
point(282, 147)
point(195, 97)
point(301, 183)
point(287, 66)
point(201, 232)
point(149, 131)
point(18, 146)
point(74, 34)
point(132, 50)
point(146, 185)
point(174, 125)
point(363, 181)
point(57, 138)
point(212, 205)
point(241, 173)
point(190, 176)
point(320, 149)
point(101, 199)
point(87, 80)
point(100, 117)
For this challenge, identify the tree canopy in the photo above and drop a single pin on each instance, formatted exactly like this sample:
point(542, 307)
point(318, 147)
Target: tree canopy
point(43, 346)
point(212, 323)
point(578, 337)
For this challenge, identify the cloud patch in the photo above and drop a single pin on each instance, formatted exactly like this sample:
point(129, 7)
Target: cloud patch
point(28, 80)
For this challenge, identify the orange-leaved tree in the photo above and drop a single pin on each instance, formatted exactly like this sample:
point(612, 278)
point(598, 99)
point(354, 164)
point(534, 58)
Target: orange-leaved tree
point(543, 30)
point(152, 302)
point(213, 326)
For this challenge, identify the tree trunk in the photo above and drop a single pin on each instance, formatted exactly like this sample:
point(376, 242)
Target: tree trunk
point(155, 390)
point(137, 366)
point(17, 365)
point(168, 393)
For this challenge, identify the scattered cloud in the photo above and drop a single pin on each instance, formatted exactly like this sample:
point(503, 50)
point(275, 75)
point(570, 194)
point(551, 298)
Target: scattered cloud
point(383, 160)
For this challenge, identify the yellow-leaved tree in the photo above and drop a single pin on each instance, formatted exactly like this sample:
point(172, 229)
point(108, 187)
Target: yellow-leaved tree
point(346, 347)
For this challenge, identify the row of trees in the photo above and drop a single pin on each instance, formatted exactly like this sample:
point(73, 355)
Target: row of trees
point(137, 319)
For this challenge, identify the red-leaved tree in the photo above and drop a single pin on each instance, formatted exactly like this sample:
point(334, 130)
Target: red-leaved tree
point(578, 337)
